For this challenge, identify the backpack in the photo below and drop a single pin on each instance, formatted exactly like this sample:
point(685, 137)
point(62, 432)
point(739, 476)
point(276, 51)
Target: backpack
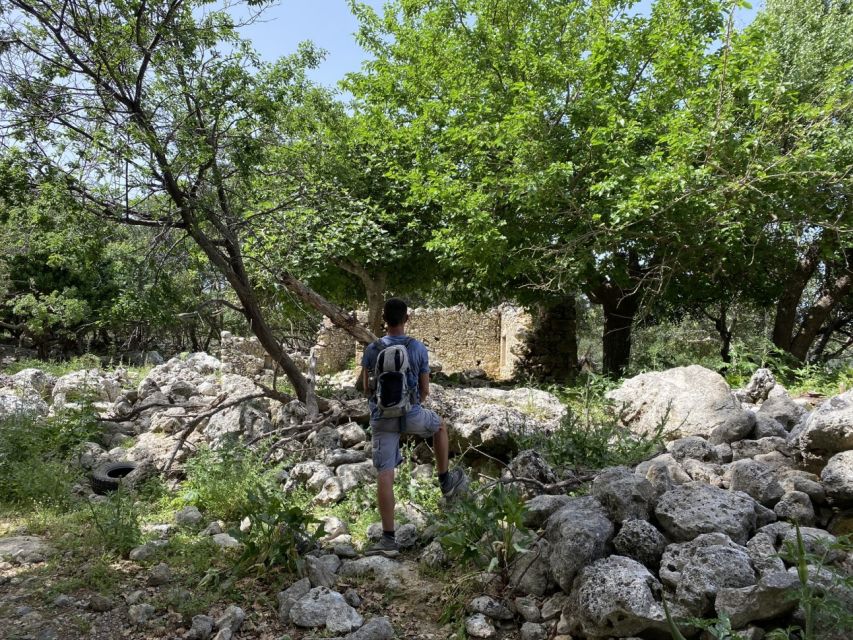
point(390, 384)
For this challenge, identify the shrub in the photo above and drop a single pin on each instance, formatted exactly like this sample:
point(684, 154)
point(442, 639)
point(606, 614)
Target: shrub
point(219, 481)
point(590, 435)
point(487, 531)
point(279, 533)
point(36, 454)
point(117, 521)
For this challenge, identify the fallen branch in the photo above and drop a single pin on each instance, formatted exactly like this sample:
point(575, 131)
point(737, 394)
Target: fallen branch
point(217, 405)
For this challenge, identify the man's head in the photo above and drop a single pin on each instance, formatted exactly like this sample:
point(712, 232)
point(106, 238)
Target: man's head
point(395, 312)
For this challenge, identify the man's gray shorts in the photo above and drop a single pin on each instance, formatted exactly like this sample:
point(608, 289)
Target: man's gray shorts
point(386, 435)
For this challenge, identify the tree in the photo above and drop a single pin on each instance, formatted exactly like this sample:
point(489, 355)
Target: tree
point(551, 136)
point(156, 113)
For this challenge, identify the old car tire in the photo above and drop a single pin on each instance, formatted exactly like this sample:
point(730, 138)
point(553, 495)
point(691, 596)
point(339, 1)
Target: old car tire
point(108, 477)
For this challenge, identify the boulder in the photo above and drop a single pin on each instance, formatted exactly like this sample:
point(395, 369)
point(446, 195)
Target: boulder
point(378, 628)
point(663, 472)
point(768, 427)
point(771, 597)
point(321, 607)
point(11, 405)
point(311, 474)
point(694, 508)
point(23, 549)
point(688, 401)
point(615, 596)
point(827, 431)
point(290, 596)
point(640, 541)
point(696, 570)
point(783, 410)
point(837, 479)
point(247, 420)
point(795, 506)
point(694, 448)
point(537, 510)
point(353, 475)
point(478, 626)
point(755, 479)
point(84, 385)
point(623, 494)
point(529, 464)
point(493, 420)
point(577, 535)
point(36, 380)
point(530, 574)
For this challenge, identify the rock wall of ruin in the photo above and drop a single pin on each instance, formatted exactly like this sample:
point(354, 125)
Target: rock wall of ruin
point(459, 338)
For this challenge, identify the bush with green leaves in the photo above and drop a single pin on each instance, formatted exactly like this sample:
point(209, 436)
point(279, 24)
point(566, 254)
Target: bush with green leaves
point(117, 521)
point(219, 481)
point(487, 530)
point(36, 455)
point(590, 435)
point(280, 533)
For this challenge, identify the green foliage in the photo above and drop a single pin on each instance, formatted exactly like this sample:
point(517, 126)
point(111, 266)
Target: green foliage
point(117, 521)
point(220, 481)
point(279, 535)
point(487, 531)
point(824, 592)
point(36, 455)
point(590, 435)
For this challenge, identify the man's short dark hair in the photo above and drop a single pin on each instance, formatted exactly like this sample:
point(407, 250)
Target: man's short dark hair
point(394, 312)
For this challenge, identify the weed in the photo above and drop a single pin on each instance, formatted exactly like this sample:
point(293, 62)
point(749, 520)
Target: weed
point(821, 590)
point(219, 481)
point(278, 536)
point(487, 531)
point(117, 522)
point(36, 455)
point(590, 435)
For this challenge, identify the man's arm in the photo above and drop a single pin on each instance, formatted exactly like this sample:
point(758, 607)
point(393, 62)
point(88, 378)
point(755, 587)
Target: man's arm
point(423, 386)
point(365, 380)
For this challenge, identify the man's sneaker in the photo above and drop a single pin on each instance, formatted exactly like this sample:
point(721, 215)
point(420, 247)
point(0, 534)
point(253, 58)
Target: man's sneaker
point(385, 547)
point(455, 485)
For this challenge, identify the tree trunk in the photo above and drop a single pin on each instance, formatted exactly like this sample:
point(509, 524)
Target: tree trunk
point(374, 286)
point(786, 308)
point(724, 331)
point(620, 307)
point(818, 313)
point(795, 337)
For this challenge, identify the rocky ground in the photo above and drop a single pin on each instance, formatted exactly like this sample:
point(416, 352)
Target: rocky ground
point(708, 524)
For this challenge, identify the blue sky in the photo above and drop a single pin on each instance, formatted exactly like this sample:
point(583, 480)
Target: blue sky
point(330, 25)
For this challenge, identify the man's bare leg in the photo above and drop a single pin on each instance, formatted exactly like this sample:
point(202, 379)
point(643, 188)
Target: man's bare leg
point(385, 498)
point(442, 449)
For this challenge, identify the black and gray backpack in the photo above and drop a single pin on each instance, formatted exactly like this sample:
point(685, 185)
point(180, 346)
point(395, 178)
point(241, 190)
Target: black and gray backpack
point(389, 383)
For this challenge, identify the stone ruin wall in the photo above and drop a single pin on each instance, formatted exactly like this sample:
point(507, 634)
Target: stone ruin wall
point(457, 337)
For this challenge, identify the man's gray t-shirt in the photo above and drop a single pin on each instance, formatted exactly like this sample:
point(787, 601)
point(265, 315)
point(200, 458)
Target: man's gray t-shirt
point(418, 364)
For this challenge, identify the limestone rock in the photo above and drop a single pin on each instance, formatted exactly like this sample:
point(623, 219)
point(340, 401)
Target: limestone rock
point(759, 386)
point(771, 597)
point(24, 549)
point(478, 626)
point(231, 619)
point(755, 479)
point(694, 401)
point(694, 508)
point(385, 571)
point(529, 464)
point(693, 448)
point(540, 508)
point(290, 596)
point(795, 506)
point(378, 628)
point(768, 427)
point(353, 475)
point(433, 556)
point(698, 569)
point(837, 478)
point(323, 607)
point(623, 495)
point(615, 596)
point(782, 409)
point(490, 608)
point(531, 572)
point(663, 472)
point(640, 541)
point(189, 517)
point(311, 474)
point(578, 534)
point(827, 431)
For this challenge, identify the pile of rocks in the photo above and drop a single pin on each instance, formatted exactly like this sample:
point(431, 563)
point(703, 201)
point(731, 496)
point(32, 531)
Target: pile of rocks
point(708, 525)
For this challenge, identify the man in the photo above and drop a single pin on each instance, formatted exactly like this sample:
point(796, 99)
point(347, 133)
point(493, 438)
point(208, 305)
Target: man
point(418, 421)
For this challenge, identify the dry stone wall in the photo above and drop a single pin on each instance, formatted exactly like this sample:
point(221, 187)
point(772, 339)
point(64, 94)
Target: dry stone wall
point(459, 338)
